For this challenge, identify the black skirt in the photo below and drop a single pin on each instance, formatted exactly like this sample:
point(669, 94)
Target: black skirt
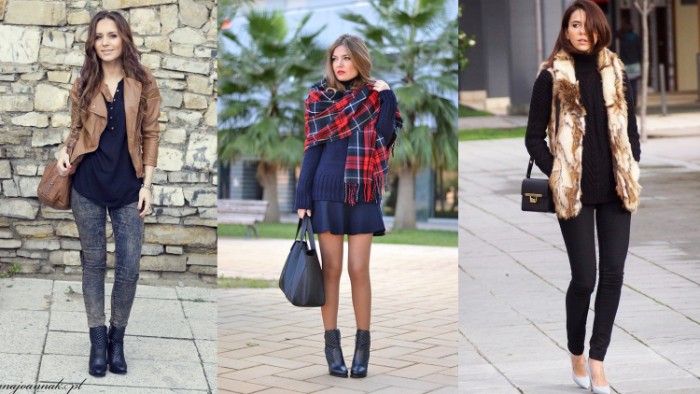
point(340, 218)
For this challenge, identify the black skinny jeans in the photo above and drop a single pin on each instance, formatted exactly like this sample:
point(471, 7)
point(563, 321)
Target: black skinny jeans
point(612, 222)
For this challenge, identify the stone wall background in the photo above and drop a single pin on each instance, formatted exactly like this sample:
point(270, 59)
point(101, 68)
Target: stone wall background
point(41, 52)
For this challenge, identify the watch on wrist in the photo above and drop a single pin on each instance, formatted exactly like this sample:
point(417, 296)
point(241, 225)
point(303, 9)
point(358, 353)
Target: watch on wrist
point(147, 186)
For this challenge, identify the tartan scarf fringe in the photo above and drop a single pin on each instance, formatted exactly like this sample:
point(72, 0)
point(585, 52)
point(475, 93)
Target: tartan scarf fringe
point(372, 190)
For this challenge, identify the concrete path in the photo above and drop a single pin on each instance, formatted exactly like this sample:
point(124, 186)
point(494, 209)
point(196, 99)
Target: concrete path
point(514, 273)
point(266, 345)
point(170, 342)
point(674, 125)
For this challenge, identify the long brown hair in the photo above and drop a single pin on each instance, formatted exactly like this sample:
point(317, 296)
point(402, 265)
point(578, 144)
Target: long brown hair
point(360, 59)
point(91, 73)
point(596, 25)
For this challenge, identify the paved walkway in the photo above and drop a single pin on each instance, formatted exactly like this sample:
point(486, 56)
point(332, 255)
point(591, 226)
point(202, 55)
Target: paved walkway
point(266, 345)
point(170, 342)
point(514, 273)
point(681, 124)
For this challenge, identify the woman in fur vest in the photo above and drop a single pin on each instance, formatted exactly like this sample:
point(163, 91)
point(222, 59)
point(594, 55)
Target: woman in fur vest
point(582, 104)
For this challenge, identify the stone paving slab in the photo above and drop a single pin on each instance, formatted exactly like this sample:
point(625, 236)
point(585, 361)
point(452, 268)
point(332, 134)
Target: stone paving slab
point(170, 342)
point(28, 294)
point(682, 124)
point(514, 274)
point(266, 345)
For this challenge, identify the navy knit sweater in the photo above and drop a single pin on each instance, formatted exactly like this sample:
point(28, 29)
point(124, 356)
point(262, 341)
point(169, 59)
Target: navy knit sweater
point(322, 174)
point(597, 179)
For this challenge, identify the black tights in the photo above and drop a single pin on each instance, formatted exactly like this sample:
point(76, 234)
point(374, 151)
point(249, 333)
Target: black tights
point(613, 227)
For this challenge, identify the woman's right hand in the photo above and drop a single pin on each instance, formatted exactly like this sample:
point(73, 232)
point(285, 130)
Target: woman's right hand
point(63, 162)
point(303, 211)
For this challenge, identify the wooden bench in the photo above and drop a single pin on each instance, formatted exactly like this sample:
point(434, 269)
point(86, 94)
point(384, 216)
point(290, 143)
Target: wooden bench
point(242, 212)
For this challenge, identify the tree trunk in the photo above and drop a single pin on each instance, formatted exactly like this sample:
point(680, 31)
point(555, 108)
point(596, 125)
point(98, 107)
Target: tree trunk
point(441, 189)
point(267, 176)
point(644, 8)
point(405, 213)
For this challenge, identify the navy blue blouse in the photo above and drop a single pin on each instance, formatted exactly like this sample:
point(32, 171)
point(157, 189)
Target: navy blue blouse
point(107, 175)
point(322, 176)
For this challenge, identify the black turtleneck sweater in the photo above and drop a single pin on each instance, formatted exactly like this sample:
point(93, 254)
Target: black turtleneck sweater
point(597, 179)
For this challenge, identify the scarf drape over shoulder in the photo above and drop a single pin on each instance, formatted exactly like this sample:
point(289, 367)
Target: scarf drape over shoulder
point(332, 115)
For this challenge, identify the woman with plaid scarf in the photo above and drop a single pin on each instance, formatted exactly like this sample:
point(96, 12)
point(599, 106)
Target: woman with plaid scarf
point(351, 125)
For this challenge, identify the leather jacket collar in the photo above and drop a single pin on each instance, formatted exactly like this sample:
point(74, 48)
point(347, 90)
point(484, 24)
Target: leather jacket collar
point(141, 108)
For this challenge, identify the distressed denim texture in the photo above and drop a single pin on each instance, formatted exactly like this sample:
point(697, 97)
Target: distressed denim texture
point(128, 230)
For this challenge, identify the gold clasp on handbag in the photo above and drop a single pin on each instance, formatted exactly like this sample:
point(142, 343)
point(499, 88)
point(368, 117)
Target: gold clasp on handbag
point(533, 197)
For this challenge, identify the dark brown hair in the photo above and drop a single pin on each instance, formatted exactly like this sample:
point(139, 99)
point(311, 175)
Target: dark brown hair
point(91, 73)
point(360, 57)
point(596, 25)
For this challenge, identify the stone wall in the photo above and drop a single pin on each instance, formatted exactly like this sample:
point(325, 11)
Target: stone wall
point(41, 51)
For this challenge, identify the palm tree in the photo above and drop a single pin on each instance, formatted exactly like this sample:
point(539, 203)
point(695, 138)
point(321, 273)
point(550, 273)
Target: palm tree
point(263, 81)
point(415, 41)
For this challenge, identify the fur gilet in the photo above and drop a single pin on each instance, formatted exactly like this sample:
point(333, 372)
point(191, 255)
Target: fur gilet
point(566, 137)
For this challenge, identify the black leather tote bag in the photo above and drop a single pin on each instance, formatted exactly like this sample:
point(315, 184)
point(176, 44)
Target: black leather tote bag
point(301, 279)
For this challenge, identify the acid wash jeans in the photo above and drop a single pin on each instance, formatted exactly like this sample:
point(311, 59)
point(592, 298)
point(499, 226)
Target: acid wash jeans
point(128, 238)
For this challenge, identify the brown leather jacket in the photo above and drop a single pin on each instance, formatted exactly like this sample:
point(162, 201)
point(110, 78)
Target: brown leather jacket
point(141, 123)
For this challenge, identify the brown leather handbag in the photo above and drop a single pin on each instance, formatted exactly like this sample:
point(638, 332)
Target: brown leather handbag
point(54, 189)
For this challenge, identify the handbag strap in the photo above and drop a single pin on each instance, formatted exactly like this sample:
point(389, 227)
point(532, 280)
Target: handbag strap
point(301, 229)
point(306, 230)
point(529, 167)
point(309, 232)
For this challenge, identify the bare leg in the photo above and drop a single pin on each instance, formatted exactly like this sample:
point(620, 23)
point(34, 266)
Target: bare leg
point(578, 363)
point(598, 372)
point(359, 247)
point(332, 264)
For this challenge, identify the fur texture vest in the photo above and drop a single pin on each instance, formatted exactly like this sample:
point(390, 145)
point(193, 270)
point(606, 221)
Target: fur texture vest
point(566, 137)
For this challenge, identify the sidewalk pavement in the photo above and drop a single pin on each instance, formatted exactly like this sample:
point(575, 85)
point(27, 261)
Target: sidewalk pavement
point(514, 274)
point(674, 125)
point(170, 342)
point(266, 345)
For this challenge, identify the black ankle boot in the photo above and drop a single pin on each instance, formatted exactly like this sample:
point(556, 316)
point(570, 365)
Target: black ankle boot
point(115, 350)
point(98, 351)
point(334, 354)
point(361, 358)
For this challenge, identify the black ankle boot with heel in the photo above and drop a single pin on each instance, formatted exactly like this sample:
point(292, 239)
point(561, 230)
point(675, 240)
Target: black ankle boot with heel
point(115, 353)
point(97, 365)
point(334, 354)
point(361, 358)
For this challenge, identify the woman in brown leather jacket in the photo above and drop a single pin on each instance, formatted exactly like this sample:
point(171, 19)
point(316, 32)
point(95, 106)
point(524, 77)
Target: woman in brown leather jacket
point(114, 132)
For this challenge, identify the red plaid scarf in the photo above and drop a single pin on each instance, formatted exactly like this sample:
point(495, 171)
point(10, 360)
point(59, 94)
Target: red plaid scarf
point(332, 115)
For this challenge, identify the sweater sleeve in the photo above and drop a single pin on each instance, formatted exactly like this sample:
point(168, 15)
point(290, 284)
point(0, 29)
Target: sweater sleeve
point(537, 121)
point(387, 111)
point(312, 156)
point(632, 132)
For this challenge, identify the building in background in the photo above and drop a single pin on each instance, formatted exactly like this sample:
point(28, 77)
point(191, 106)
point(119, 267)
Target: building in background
point(513, 37)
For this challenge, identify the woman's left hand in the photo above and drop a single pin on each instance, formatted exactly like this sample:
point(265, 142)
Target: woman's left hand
point(380, 85)
point(144, 205)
